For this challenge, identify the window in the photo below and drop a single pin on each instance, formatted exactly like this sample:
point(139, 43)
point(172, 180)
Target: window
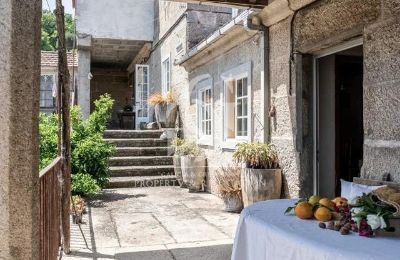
point(46, 91)
point(204, 113)
point(237, 115)
point(166, 75)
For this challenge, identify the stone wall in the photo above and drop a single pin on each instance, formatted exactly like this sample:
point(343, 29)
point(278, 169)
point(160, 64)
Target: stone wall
point(204, 20)
point(317, 27)
point(382, 94)
point(245, 52)
point(122, 19)
point(19, 141)
point(113, 81)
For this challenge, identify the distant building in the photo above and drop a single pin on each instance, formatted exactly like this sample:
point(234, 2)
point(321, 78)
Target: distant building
point(49, 78)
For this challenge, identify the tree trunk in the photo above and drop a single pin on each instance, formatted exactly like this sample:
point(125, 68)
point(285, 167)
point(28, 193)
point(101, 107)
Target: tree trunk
point(260, 184)
point(65, 95)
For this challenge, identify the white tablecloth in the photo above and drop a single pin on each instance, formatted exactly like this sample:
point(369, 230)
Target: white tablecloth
point(264, 232)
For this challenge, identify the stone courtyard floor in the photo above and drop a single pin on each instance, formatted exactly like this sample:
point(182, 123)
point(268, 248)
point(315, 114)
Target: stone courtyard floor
point(156, 223)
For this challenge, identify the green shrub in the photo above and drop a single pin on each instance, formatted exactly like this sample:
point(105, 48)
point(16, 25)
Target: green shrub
point(84, 185)
point(90, 156)
point(89, 152)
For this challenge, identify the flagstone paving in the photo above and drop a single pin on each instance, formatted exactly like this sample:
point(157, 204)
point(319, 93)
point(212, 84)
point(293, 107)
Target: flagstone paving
point(155, 223)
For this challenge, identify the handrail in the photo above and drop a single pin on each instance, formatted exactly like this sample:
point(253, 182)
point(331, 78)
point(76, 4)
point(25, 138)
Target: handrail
point(50, 209)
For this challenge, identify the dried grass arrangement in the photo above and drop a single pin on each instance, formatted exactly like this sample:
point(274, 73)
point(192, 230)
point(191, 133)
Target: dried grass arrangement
point(160, 99)
point(228, 182)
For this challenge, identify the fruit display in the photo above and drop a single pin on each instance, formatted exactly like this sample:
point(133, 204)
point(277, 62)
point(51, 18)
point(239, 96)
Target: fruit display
point(367, 215)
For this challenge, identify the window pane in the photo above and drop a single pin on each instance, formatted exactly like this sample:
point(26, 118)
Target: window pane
point(239, 107)
point(244, 107)
point(239, 88)
point(230, 108)
point(244, 127)
point(239, 127)
point(245, 87)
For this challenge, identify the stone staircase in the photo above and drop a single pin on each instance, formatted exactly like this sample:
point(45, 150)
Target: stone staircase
point(141, 159)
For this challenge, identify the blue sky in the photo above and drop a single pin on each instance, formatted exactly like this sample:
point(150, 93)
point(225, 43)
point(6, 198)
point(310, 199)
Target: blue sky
point(52, 3)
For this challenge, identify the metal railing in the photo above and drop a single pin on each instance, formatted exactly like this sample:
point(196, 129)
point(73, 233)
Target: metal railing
point(50, 209)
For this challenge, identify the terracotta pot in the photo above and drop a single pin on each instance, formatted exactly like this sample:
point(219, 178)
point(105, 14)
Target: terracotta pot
point(166, 114)
point(260, 184)
point(193, 172)
point(233, 203)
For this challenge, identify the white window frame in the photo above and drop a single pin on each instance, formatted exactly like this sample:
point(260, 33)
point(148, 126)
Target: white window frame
point(201, 87)
point(166, 75)
point(53, 88)
point(237, 73)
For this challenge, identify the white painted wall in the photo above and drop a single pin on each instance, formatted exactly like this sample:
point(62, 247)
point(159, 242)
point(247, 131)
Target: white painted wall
point(117, 19)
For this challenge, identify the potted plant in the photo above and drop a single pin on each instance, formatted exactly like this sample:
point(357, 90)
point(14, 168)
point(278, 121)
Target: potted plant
point(176, 143)
point(261, 178)
point(193, 165)
point(165, 109)
point(228, 185)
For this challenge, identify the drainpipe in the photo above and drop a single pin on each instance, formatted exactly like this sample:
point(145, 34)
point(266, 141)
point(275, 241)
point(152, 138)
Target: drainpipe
point(254, 23)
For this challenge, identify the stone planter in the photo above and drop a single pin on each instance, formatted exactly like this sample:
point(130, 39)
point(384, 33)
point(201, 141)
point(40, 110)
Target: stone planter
point(193, 172)
point(233, 203)
point(166, 114)
point(260, 184)
point(178, 171)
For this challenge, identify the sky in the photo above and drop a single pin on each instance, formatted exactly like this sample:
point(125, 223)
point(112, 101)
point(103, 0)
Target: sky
point(52, 3)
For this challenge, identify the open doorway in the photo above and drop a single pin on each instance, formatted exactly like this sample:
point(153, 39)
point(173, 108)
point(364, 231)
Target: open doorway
point(339, 118)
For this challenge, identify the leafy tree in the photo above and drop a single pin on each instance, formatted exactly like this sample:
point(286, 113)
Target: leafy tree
point(49, 31)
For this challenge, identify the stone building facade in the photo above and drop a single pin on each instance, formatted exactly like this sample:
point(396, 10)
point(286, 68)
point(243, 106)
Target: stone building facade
point(310, 122)
point(215, 61)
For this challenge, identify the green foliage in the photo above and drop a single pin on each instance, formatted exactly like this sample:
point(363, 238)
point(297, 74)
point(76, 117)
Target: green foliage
point(257, 155)
point(89, 152)
point(49, 31)
point(188, 149)
point(99, 118)
point(48, 128)
point(90, 156)
point(84, 185)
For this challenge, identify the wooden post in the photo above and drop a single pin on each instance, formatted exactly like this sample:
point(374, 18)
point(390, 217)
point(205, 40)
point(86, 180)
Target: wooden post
point(65, 94)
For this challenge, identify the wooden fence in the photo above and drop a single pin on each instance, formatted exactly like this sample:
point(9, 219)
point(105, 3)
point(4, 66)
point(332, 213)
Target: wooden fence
point(50, 209)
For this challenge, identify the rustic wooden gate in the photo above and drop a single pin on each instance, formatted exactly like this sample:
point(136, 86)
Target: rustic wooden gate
point(55, 179)
point(50, 209)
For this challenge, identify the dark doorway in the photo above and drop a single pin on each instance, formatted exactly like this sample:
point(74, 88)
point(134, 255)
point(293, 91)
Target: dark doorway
point(339, 119)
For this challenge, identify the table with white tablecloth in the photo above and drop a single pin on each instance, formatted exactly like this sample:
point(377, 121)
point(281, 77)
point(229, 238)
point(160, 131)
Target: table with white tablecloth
point(264, 232)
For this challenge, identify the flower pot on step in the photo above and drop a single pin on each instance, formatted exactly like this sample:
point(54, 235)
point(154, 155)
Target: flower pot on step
point(193, 172)
point(166, 114)
point(260, 184)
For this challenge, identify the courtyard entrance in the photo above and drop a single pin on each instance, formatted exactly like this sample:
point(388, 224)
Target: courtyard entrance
point(339, 118)
point(155, 223)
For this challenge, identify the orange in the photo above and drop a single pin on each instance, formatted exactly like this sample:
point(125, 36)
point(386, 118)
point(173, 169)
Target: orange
point(323, 214)
point(340, 201)
point(327, 203)
point(304, 210)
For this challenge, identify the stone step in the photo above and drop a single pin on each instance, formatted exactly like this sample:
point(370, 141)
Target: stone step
point(141, 160)
point(123, 171)
point(131, 142)
point(140, 182)
point(132, 133)
point(141, 151)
